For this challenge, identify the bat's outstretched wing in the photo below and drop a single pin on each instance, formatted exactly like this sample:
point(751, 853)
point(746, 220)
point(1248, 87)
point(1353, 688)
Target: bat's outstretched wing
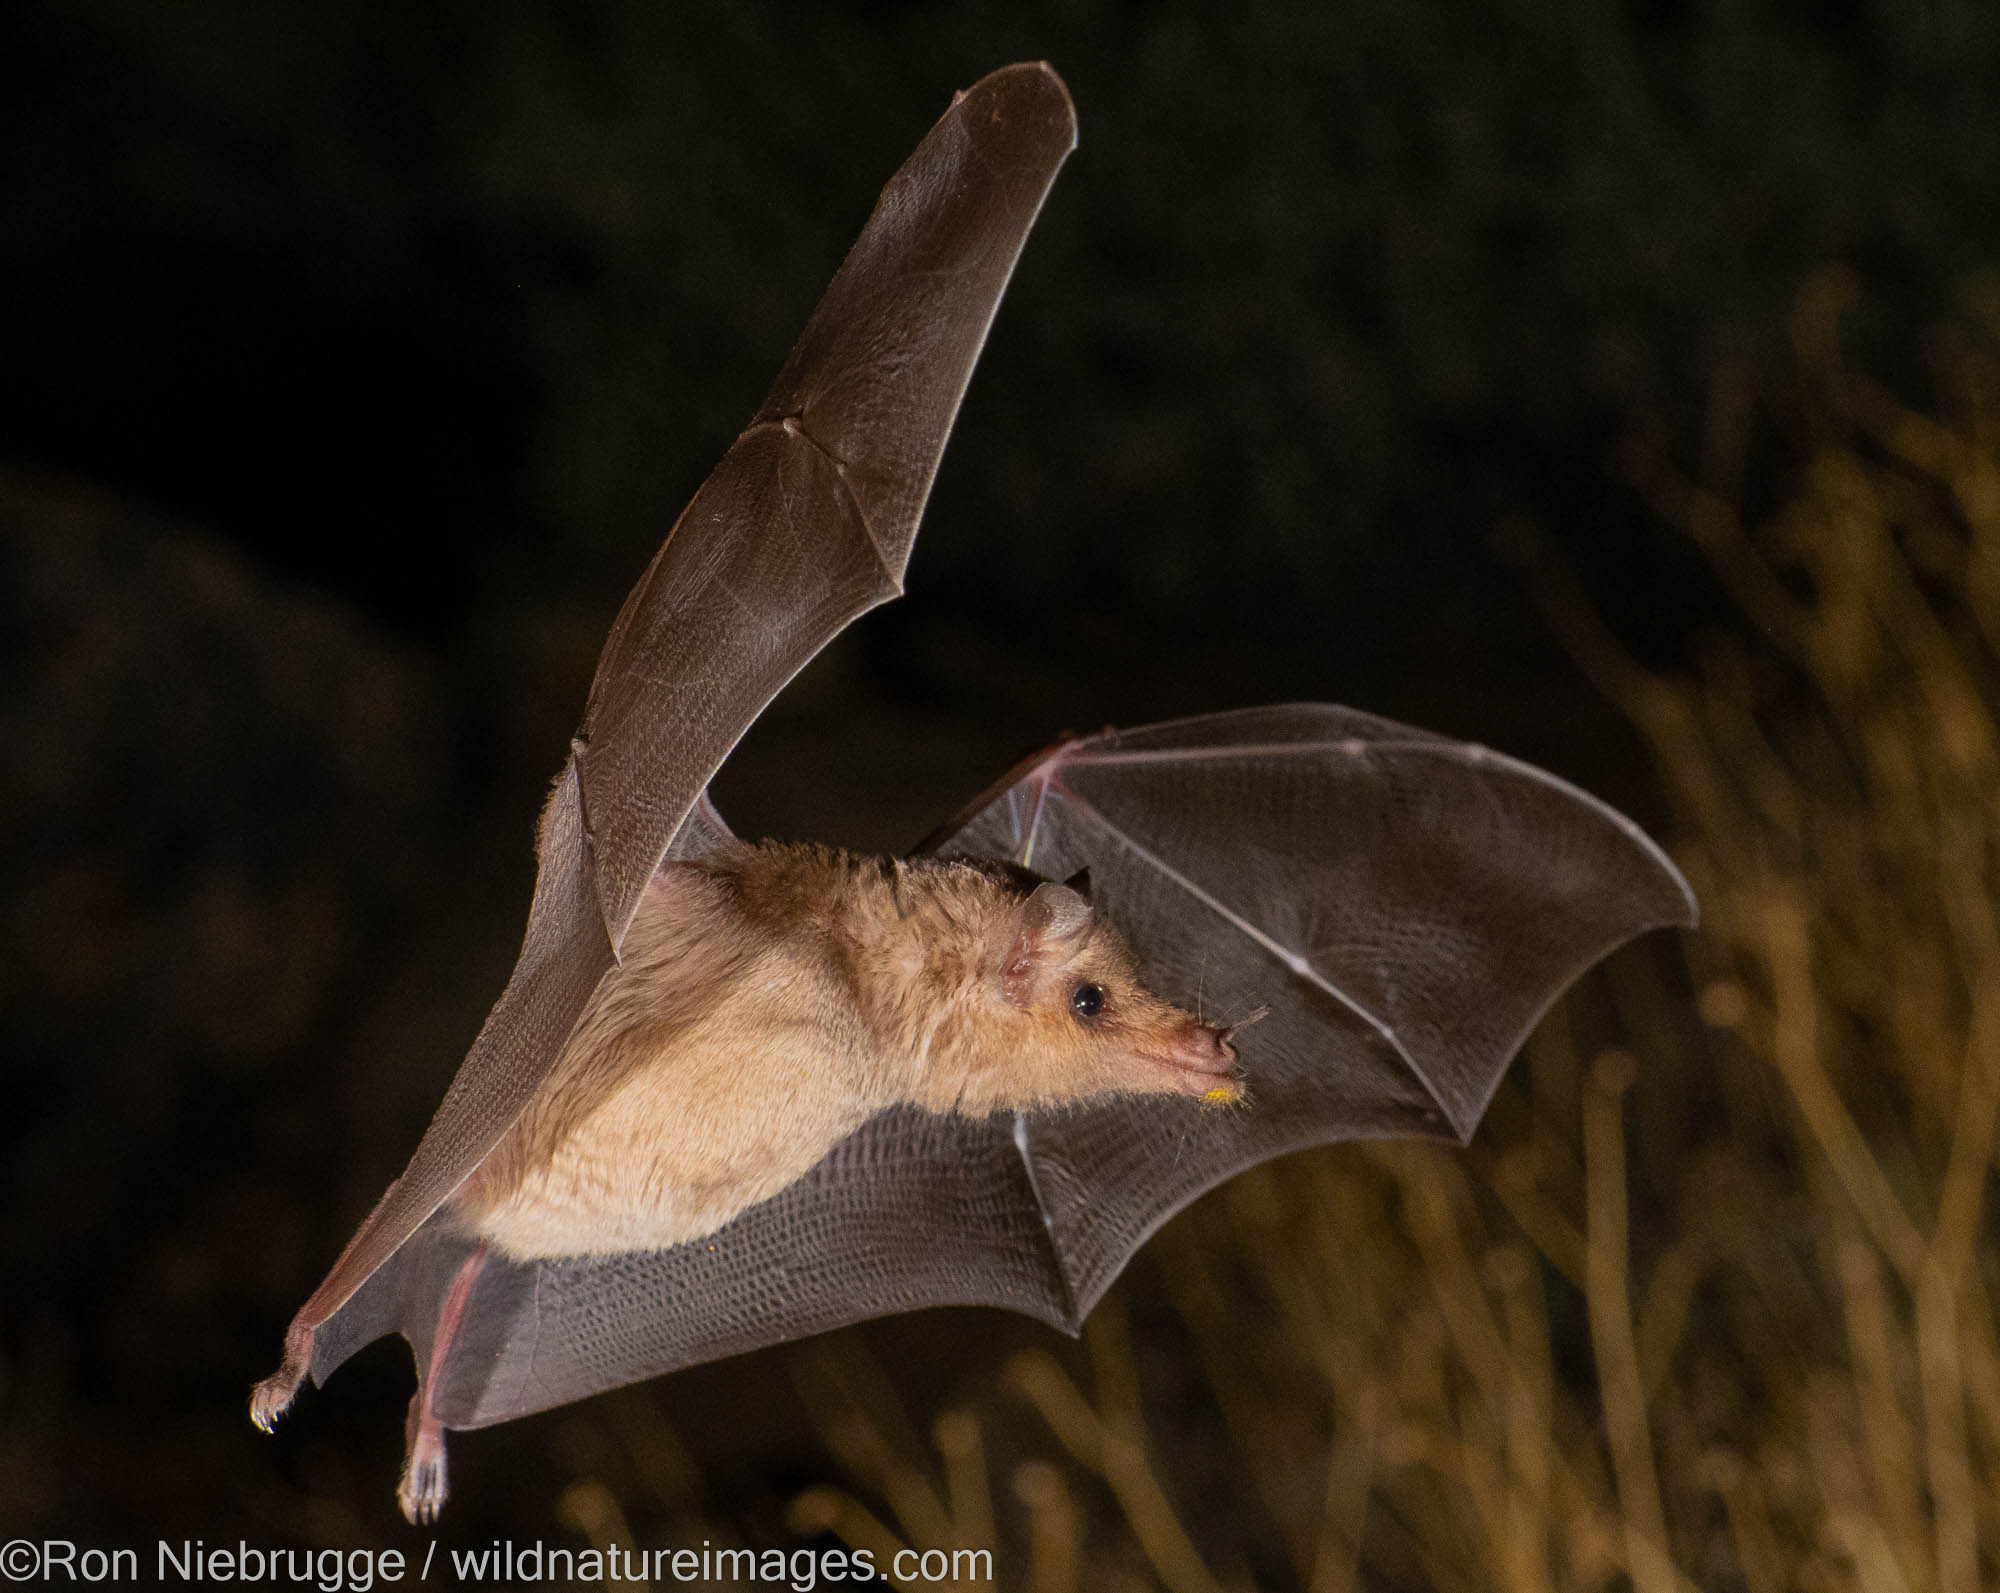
point(805, 524)
point(1405, 905)
point(1320, 860)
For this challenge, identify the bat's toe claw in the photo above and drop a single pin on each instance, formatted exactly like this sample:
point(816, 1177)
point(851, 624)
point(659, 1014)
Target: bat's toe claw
point(270, 1399)
point(422, 1491)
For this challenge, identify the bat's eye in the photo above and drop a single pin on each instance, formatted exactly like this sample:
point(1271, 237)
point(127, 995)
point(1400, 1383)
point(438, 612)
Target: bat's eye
point(1086, 1001)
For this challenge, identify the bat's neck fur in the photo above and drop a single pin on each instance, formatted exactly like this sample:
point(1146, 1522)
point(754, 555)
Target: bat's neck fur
point(916, 945)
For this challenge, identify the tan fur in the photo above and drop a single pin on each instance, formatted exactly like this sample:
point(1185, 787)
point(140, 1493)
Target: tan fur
point(768, 1006)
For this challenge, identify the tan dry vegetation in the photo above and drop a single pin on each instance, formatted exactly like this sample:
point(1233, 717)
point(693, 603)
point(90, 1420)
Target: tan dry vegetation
point(1711, 1302)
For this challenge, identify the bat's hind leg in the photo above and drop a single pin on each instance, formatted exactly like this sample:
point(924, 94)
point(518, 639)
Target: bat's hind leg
point(424, 1487)
point(422, 1491)
point(271, 1398)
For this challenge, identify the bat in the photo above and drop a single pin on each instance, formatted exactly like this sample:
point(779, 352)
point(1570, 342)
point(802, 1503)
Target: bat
point(737, 1093)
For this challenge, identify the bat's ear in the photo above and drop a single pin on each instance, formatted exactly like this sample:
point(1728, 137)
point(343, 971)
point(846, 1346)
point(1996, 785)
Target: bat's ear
point(1057, 913)
point(1048, 927)
point(1079, 882)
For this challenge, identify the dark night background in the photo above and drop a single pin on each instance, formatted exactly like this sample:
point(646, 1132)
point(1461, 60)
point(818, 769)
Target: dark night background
point(354, 358)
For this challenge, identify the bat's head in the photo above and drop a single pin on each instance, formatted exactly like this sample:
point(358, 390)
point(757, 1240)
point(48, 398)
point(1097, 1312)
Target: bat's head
point(1067, 1017)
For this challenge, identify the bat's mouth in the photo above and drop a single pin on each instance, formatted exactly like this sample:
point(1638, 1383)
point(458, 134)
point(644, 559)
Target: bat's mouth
point(1201, 1062)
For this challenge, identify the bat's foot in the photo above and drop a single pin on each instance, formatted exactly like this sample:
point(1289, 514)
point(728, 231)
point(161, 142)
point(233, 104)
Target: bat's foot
point(423, 1489)
point(271, 1398)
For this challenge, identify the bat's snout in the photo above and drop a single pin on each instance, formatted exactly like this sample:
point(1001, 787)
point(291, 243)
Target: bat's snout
point(1200, 1060)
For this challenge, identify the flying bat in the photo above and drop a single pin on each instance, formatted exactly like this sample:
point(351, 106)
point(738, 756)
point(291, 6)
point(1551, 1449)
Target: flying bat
point(737, 1093)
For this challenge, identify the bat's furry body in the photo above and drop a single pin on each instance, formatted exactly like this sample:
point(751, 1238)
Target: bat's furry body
point(769, 1004)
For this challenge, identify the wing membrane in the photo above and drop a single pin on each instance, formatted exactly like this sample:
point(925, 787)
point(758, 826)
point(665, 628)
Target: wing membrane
point(805, 524)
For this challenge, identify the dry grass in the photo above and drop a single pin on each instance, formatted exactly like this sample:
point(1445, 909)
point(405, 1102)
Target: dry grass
point(1712, 1302)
